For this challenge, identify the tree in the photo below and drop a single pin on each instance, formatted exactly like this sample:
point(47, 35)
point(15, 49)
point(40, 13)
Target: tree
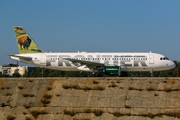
point(16, 74)
point(25, 74)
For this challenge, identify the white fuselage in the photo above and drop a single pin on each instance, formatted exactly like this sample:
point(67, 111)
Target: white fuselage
point(127, 61)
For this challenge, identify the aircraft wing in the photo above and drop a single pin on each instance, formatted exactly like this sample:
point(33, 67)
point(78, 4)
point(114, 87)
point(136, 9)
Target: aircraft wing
point(87, 63)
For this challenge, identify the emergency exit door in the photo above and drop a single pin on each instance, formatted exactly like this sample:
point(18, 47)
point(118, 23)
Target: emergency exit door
point(151, 59)
point(43, 59)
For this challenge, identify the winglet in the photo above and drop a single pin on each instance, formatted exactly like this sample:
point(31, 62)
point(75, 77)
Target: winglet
point(25, 42)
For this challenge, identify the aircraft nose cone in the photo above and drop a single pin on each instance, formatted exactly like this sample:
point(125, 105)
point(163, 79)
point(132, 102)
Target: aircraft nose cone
point(172, 64)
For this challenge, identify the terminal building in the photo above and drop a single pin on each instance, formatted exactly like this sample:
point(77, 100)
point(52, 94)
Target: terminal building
point(10, 69)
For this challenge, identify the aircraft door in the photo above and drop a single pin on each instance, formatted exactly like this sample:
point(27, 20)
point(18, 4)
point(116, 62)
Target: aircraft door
point(43, 59)
point(151, 59)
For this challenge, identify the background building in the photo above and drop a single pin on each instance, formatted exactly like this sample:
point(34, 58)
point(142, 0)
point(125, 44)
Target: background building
point(10, 69)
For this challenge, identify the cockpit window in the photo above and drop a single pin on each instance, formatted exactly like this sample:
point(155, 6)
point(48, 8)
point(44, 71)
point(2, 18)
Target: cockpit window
point(164, 58)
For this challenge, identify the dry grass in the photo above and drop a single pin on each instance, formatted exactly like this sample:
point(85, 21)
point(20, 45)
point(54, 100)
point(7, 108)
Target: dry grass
point(130, 88)
point(112, 84)
point(10, 117)
point(85, 87)
point(10, 106)
point(31, 81)
point(173, 81)
point(69, 112)
point(8, 101)
point(149, 114)
point(26, 106)
point(57, 95)
point(149, 88)
point(121, 87)
point(167, 89)
point(35, 113)
point(87, 110)
point(139, 89)
point(49, 87)
point(46, 95)
point(80, 118)
point(98, 87)
point(67, 86)
point(158, 114)
point(75, 86)
point(177, 113)
point(31, 95)
point(20, 87)
point(28, 118)
point(25, 94)
point(168, 113)
point(24, 112)
point(117, 113)
point(155, 94)
point(97, 112)
point(8, 94)
point(7, 87)
point(85, 119)
point(133, 88)
point(45, 101)
point(127, 106)
point(118, 81)
point(2, 88)
point(75, 118)
point(95, 81)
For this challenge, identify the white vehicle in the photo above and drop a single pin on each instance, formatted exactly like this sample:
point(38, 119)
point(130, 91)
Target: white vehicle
point(107, 63)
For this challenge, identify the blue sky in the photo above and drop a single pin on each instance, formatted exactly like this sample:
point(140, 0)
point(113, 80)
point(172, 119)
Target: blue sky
point(92, 26)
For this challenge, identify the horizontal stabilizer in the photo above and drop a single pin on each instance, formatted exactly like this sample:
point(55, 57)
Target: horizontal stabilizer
point(22, 57)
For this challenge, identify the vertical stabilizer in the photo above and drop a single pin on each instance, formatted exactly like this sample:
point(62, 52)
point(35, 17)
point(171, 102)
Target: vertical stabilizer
point(25, 42)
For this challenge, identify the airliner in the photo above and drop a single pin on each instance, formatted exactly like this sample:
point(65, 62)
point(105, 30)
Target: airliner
point(105, 63)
